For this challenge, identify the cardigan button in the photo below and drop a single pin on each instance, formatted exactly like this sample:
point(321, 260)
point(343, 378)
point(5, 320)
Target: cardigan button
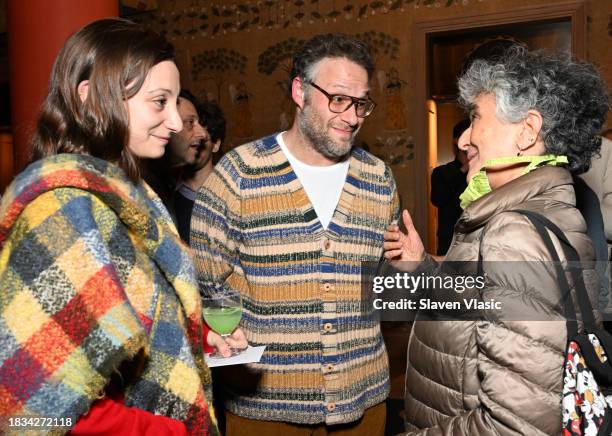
point(327, 244)
point(328, 327)
point(331, 407)
point(327, 287)
point(329, 367)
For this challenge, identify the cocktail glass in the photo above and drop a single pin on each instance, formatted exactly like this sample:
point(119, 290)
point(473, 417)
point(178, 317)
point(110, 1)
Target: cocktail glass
point(222, 312)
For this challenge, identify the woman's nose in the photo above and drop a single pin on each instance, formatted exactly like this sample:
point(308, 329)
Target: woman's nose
point(174, 121)
point(464, 140)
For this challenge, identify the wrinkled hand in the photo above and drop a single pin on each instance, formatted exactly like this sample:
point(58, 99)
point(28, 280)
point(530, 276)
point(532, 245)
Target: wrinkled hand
point(400, 246)
point(237, 340)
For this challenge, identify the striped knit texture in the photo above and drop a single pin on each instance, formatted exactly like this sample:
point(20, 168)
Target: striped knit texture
point(255, 230)
point(92, 274)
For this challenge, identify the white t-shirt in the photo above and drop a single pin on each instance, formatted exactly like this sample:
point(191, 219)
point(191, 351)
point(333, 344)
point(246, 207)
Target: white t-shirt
point(323, 185)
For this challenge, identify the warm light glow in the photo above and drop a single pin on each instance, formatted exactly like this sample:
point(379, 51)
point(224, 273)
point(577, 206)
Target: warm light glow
point(432, 162)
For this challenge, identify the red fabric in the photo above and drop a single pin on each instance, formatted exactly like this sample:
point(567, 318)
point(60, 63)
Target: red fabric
point(207, 348)
point(112, 417)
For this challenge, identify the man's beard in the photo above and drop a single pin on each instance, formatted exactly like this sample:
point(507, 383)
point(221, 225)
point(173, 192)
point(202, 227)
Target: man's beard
point(315, 130)
point(202, 158)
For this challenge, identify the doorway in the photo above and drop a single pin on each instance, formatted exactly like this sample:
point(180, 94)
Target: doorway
point(445, 44)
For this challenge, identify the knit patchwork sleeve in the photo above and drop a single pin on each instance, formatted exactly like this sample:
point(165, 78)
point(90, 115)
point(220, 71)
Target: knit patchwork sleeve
point(66, 323)
point(216, 229)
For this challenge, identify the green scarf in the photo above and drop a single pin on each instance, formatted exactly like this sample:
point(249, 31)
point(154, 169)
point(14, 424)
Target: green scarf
point(479, 183)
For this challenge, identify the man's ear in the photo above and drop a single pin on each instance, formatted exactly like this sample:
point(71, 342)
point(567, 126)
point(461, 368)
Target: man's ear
point(297, 92)
point(216, 146)
point(83, 89)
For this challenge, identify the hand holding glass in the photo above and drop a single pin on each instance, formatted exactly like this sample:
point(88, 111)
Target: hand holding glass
point(222, 312)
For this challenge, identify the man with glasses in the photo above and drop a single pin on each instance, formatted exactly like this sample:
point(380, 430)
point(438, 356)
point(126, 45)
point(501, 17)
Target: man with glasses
point(288, 221)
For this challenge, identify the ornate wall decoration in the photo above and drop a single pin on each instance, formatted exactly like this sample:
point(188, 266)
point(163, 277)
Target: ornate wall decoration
point(241, 109)
point(211, 67)
point(380, 44)
point(393, 104)
point(190, 19)
point(224, 69)
point(276, 61)
point(385, 49)
point(274, 56)
point(395, 149)
point(393, 143)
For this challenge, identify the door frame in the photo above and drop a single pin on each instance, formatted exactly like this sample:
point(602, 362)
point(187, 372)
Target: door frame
point(424, 29)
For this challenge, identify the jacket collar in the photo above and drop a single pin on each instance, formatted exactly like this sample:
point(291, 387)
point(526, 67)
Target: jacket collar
point(515, 193)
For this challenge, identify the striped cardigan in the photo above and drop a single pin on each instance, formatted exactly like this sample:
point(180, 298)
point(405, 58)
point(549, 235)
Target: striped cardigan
point(255, 230)
point(94, 279)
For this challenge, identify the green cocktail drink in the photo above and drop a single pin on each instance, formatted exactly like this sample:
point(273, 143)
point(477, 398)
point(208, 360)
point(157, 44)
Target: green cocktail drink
point(223, 320)
point(222, 312)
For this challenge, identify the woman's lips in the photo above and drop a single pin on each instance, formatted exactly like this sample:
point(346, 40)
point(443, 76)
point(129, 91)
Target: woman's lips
point(163, 139)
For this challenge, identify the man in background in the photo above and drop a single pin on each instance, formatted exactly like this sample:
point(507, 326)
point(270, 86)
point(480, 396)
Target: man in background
point(448, 182)
point(182, 150)
point(188, 160)
point(204, 130)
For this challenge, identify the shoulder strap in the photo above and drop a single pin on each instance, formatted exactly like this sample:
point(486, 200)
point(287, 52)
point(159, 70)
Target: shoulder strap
point(541, 224)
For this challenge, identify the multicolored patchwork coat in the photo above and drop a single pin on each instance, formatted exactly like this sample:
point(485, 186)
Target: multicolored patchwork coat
point(93, 277)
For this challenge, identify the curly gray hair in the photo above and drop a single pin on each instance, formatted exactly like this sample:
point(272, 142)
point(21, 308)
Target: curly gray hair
point(569, 94)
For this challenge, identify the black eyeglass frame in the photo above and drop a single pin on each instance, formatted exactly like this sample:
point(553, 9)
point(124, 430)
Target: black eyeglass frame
point(354, 100)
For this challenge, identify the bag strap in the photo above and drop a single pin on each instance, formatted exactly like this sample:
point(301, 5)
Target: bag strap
point(541, 224)
point(601, 370)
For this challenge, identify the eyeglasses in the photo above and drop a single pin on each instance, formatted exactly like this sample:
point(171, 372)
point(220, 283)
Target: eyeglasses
point(339, 103)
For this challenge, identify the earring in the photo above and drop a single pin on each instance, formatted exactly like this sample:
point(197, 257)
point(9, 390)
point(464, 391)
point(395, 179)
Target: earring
point(519, 151)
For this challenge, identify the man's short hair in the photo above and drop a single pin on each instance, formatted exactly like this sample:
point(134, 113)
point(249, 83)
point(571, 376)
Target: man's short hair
point(210, 115)
point(187, 95)
point(212, 118)
point(331, 45)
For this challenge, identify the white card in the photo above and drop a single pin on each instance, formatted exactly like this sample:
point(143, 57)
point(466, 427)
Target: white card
point(250, 355)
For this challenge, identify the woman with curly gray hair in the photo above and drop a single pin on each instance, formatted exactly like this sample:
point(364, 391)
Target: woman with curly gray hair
point(535, 120)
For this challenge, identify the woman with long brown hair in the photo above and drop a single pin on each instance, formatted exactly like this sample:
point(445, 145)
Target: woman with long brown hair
point(100, 325)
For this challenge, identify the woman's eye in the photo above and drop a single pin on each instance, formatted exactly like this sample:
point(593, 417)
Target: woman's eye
point(161, 102)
